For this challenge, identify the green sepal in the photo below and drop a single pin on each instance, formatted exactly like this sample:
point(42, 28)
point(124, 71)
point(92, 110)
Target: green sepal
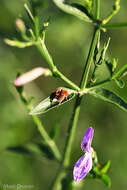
point(97, 173)
point(105, 167)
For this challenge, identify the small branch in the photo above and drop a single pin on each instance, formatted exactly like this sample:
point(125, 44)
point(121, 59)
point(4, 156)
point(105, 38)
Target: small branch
point(114, 25)
point(116, 8)
point(29, 12)
point(61, 76)
point(51, 144)
point(89, 59)
point(44, 52)
point(97, 9)
point(99, 85)
point(36, 25)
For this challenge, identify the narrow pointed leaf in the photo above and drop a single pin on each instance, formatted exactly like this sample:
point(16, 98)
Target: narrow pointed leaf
point(109, 96)
point(72, 10)
point(48, 103)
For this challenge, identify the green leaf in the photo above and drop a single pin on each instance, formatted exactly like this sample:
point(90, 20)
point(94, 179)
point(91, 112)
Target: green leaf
point(49, 103)
point(109, 96)
point(106, 179)
point(72, 10)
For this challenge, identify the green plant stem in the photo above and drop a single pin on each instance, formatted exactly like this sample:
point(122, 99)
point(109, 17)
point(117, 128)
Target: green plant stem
point(71, 132)
point(49, 142)
point(73, 123)
point(97, 15)
point(36, 24)
point(59, 176)
point(114, 25)
point(61, 76)
point(89, 59)
point(47, 139)
point(75, 115)
point(101, 84)
point(44, 52)
point(116, 8)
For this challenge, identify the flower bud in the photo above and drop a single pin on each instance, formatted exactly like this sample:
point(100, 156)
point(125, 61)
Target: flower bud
point(31, 75)
point(20, 25)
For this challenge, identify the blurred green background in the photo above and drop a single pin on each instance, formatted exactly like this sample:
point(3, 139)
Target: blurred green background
point(68, 40)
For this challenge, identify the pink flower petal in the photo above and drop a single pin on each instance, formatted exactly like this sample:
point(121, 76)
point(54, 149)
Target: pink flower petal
point(31, 75)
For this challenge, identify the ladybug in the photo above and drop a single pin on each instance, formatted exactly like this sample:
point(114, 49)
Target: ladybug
point(60, 94)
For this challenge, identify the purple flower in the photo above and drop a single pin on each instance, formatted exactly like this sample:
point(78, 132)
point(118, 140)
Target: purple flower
point(84, 164)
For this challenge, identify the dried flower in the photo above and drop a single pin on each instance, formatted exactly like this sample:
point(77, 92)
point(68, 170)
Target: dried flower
point(84, 164)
